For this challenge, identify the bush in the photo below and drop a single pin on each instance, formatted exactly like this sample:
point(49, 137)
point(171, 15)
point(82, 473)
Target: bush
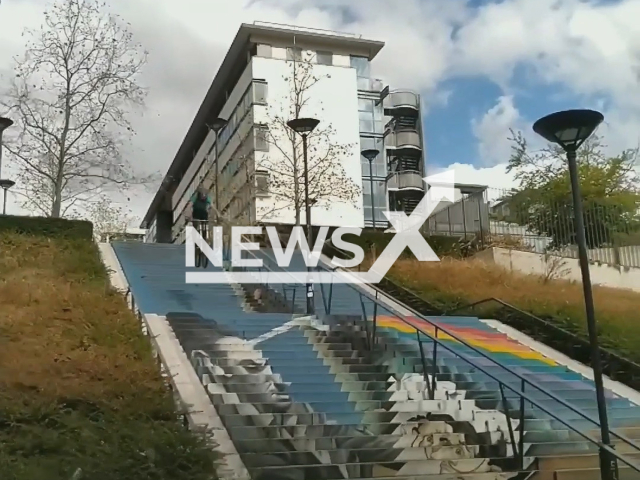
point(47, 227)
point(79, 385)
point(370, 240)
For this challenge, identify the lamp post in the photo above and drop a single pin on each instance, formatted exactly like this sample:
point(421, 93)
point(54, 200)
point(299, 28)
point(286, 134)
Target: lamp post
point(217, 125)
point(5, 185)
point(570, 129)
point(4, 124)
point(303, 127)
point(371, 154)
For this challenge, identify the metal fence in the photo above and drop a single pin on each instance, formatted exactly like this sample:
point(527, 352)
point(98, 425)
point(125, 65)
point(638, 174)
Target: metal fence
point(508, 219)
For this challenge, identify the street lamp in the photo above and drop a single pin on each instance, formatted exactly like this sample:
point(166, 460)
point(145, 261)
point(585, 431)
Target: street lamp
point(4, 124)
point(217, 125)
point(371, 154)
point(5, 185)
point(303, 127)
point(570, 129)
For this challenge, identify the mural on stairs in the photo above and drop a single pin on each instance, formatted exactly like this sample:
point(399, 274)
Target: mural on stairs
point(249, 394)
point(309, 401)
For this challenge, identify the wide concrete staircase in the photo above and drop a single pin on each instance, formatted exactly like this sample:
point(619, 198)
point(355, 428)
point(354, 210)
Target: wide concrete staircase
point(339, 395)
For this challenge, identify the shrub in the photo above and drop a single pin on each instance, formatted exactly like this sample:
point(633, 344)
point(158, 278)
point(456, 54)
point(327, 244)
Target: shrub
point(47, 227)
point(80, 390)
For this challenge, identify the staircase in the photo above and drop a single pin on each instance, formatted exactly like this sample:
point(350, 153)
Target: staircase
point(324, 398)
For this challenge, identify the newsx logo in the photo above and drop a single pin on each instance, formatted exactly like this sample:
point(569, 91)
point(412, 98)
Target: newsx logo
point(407, 235)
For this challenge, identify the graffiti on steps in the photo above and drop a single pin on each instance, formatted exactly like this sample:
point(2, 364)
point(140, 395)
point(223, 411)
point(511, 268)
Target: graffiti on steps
point(446, 440)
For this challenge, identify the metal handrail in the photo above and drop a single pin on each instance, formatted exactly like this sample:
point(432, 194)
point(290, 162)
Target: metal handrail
point(399, 315)
point(523, 396)
point(472, 305)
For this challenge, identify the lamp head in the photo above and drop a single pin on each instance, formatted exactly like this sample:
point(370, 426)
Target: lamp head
point(303, 126)
point(6, 184)
point(370, 154)
point(570, 128)
point(217, 125)
point(5, 123)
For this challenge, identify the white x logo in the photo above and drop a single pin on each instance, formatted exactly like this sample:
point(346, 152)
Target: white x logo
point(407, 228)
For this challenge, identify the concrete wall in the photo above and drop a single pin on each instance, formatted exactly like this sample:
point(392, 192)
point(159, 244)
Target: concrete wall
point(333, 100)
point(562, 268)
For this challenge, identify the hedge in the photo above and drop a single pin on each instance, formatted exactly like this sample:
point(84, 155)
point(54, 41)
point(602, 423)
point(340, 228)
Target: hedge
point(47, 227)
point(368, 239)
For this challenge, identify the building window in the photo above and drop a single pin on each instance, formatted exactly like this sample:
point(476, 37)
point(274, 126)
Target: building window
point(260, 93)
point(262, 50)
point(262, 182)
point(260, 136)
point(371, 116)
point(379, 197)
point(294, 54)
point(363, 71)
point(324, 58)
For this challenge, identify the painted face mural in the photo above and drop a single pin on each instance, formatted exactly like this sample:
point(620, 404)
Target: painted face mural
point(449, 436)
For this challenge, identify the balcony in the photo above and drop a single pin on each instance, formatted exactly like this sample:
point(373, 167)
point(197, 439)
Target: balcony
point(402, 102)
point(403, 139)
point(405, 180)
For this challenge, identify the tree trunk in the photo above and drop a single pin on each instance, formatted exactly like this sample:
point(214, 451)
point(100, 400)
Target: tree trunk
point(57, 203)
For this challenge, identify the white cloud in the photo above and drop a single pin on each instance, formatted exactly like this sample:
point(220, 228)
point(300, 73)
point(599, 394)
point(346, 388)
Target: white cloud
point(589, 47)
point(492, 130)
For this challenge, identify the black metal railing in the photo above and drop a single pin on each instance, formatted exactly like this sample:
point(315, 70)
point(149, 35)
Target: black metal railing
point(615, 366)
point(430, 384)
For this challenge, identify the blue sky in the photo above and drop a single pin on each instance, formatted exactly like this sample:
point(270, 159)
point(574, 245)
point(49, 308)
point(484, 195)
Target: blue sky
point(482, 66)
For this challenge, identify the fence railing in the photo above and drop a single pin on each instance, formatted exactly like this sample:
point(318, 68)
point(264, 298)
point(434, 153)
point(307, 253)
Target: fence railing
point(514, 220)
point(384, 302)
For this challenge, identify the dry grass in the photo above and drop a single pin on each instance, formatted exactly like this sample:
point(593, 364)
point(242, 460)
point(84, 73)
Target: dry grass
point(79, 387)
point(452, 282)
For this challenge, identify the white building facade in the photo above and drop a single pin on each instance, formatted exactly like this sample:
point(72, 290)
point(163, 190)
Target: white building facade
point(273, 73)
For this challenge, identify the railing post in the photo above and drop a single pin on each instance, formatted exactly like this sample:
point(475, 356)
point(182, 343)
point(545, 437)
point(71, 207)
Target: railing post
point(521, 428)
point(366, 323)
point(425, 376)
point(293, 300)
point(512, 437)
point(330, 295)
point(435, 365)
point(375, 320)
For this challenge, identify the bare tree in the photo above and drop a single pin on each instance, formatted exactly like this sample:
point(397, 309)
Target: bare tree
point(70, 97)
point(328, 182)
point(108, 218)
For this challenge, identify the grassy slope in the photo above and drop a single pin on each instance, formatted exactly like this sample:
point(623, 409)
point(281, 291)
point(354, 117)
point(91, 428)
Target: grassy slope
point(79, 387)
point(457, 282)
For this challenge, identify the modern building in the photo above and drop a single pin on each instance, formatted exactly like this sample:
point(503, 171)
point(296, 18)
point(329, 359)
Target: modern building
point(261, 81)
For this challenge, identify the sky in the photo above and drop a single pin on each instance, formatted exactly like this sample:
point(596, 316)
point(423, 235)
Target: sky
point(483, 67)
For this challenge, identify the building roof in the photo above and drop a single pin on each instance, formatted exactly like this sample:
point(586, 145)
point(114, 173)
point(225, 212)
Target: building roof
point(230, 70)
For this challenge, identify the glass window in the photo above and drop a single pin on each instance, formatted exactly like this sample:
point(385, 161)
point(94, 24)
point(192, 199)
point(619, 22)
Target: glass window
point(260, 92)
point(261, 143)
point(365, 105)
point(262, 182)
point(362, 66)
point(366, 122)
point(370, 142)
point(364, 83)
point(324, 58)
point(294, 54)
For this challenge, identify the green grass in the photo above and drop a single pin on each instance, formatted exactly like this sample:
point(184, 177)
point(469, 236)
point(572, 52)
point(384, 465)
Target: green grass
point(80, 391)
